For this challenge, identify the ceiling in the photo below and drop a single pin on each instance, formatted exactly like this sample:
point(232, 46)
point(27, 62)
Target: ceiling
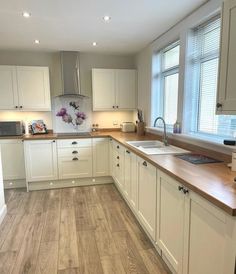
point(76, 24)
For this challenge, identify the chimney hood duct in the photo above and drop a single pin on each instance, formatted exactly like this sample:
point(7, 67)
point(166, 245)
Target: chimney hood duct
point(70, 72)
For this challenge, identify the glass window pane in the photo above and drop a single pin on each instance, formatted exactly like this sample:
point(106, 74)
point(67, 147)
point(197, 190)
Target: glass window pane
point(171, 58)
point(171, 98)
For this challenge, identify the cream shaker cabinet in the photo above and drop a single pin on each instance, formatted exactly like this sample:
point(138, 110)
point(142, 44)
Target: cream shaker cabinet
point(226, 99)
point(170, 220)
point(13, 163)
point(24, 88)
point(114, 89)
point(75, 158)
point(8, 88)
point(100, 157)
point(41, 160)
point(147, 177)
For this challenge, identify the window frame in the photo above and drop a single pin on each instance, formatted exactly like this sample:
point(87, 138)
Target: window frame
point(159, 76)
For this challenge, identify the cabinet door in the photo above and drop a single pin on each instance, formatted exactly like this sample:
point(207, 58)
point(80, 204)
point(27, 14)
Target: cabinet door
point(111, 160)
point(127, 174)
point(8, 88)
point(126, 89)
point(227, 79)
point(170, 220)
point(40, 160)
point(103, 81)
point(100, 157)
point(34, 88)
point(147, 196)
point(207, 235)
point(13, 159)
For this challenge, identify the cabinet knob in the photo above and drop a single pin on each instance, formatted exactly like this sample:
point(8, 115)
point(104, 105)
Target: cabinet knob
point(180, 188)
point(16, 106)
point(74, 143)
point(117, 106)
point(53, 141)
point(113, 106)
point(144, 163)
point(21, 106)
point(127, 151)
point(74, 152)
point(185, 191)
point(219, 106)
point(118, 157)
point(117, 147)
point(75, 159)
point(118, 165)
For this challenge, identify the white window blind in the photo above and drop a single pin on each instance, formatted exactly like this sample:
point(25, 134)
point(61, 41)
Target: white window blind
point(165, 84)
point(204, 64)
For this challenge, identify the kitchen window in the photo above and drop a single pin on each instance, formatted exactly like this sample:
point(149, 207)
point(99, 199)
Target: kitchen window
point(200, 105)
point(165, 83)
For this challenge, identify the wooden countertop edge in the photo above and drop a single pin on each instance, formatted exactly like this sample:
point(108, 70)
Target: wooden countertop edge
point(225, 207)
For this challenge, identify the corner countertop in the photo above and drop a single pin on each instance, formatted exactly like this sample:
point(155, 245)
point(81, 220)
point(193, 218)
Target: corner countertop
point(214, 182)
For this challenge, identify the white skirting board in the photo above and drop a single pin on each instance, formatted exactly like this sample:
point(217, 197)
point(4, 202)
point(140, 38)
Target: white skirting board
point(3, 213)
point(69, 183)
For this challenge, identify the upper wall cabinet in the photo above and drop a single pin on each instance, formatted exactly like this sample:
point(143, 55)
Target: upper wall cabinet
point(114, 89)
point(226, 101)
point(24, 88)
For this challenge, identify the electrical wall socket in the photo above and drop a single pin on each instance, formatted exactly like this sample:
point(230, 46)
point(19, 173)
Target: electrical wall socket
point(115, 123)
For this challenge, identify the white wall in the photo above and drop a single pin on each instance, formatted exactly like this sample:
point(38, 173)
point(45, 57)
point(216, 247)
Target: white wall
point(2, 199)
point(52, 60)
point(144, 58)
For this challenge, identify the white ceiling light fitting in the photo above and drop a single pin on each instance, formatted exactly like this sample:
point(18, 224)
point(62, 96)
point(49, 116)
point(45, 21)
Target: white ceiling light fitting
point(36, 41)
point(95, 44)
point(106, 18)
point(26, 14)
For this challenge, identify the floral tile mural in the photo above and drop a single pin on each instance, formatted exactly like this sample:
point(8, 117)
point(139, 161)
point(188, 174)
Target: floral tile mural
point(71, 114)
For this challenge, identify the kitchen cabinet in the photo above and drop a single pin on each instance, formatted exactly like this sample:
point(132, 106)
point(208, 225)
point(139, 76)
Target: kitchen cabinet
point(75, 158)
point(226, 99)
point(208, 239)
point(8, 88)
point(170, 220)
point(100, 157)
point(130, 180)
point(114, 89)
point(13, 163)
point(147, 180)
point(24, 88)
point(118, 165)
point(111, 162)
point(41, 160)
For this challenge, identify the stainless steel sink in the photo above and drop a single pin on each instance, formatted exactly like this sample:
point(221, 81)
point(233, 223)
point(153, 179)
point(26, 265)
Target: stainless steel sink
point(156, 147)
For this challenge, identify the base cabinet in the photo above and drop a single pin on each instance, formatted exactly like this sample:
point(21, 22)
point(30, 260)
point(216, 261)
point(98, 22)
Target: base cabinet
point(13, 163)
point(209, 239)
point(170, 220)
point(100, 157)
point(40, 160)
point(147, 176)
point(118, 165)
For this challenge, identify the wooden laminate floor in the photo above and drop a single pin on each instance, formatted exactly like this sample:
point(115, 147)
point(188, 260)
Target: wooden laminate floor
point(85, 230)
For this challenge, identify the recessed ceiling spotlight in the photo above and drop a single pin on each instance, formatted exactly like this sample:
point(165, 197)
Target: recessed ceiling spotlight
point(26, 14)
point(95, 44)
point(36, 41)
point(106, 18)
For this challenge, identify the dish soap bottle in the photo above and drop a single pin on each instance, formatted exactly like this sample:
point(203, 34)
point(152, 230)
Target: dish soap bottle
point(177, 128)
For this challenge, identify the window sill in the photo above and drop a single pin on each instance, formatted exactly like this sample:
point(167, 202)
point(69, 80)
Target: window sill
point(198, 140)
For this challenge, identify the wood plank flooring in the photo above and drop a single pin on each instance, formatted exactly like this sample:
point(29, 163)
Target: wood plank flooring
point(83, 230)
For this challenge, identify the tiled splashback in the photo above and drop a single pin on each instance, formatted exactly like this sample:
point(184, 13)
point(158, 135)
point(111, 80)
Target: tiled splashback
point(71, 114)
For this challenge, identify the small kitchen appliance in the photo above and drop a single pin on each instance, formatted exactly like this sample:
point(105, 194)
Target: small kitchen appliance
point(127, 127)
point(11, 128)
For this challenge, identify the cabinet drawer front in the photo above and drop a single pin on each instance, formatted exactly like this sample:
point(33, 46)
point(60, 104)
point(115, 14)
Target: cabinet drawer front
point(77, 168)
point(74, 152)
point(74, 143)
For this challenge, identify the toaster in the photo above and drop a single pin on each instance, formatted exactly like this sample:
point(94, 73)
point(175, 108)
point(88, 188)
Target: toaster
point(127, 127)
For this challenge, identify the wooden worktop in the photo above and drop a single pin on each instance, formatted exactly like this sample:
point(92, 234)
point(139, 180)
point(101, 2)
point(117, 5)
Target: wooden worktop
point(214, 182)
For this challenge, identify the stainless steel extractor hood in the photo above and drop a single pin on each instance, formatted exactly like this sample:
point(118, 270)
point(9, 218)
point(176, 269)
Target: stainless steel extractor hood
point(70, 72)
